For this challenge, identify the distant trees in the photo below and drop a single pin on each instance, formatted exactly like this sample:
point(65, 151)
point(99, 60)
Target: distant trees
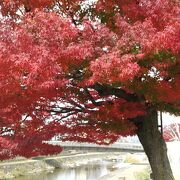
point(172, 132)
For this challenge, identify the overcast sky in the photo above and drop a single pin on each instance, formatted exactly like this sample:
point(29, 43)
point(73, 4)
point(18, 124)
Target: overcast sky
point(168, 119)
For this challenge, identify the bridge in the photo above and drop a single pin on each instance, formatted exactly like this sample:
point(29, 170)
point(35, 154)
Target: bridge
point(116, 147)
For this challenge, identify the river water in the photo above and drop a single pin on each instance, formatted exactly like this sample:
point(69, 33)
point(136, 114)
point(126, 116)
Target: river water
point(91, 171)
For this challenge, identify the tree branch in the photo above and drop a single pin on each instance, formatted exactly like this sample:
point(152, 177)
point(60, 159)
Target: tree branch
point(91, 98)
point(105, 90)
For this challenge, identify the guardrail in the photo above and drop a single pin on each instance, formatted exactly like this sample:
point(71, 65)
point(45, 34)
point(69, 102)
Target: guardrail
point(115, 146)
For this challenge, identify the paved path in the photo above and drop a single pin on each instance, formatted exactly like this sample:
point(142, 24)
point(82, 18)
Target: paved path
point(127, 172)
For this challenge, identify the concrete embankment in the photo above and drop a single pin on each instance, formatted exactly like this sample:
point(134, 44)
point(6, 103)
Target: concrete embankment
point(26, 167)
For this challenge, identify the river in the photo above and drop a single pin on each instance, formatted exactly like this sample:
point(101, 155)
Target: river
point(91, 171)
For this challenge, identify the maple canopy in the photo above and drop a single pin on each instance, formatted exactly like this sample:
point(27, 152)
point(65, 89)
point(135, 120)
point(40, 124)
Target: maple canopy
point(87, 71)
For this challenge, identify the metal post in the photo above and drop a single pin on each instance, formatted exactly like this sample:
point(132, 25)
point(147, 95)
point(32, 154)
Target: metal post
point(161, 124)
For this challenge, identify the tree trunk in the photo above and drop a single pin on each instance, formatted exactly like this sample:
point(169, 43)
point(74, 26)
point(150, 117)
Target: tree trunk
point(155, 147)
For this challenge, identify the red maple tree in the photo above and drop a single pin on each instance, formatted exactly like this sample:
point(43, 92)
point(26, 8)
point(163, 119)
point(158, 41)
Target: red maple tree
point(172, 132)
point(88, 72)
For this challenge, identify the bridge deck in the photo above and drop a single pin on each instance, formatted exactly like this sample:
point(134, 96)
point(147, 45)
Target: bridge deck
point(89, 146)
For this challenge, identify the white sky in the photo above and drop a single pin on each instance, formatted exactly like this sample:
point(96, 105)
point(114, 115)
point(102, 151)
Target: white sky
point(169, 119)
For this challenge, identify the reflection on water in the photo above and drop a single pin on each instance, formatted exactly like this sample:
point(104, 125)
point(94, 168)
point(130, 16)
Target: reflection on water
point(86, 172)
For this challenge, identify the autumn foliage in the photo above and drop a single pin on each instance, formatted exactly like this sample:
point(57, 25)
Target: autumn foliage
point(172, 132)
point(84, 72)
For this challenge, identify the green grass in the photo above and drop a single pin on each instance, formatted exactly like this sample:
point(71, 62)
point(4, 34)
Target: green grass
point(144, 175)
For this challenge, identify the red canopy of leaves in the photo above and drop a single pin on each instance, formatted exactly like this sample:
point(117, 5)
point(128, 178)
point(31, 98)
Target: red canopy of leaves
point(84, 74)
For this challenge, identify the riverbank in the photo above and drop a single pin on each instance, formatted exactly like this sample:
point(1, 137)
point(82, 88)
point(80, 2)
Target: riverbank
point(137, 172)
point(129, 172)
point(23, 168)
point(133, 167)
point(13, 169)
